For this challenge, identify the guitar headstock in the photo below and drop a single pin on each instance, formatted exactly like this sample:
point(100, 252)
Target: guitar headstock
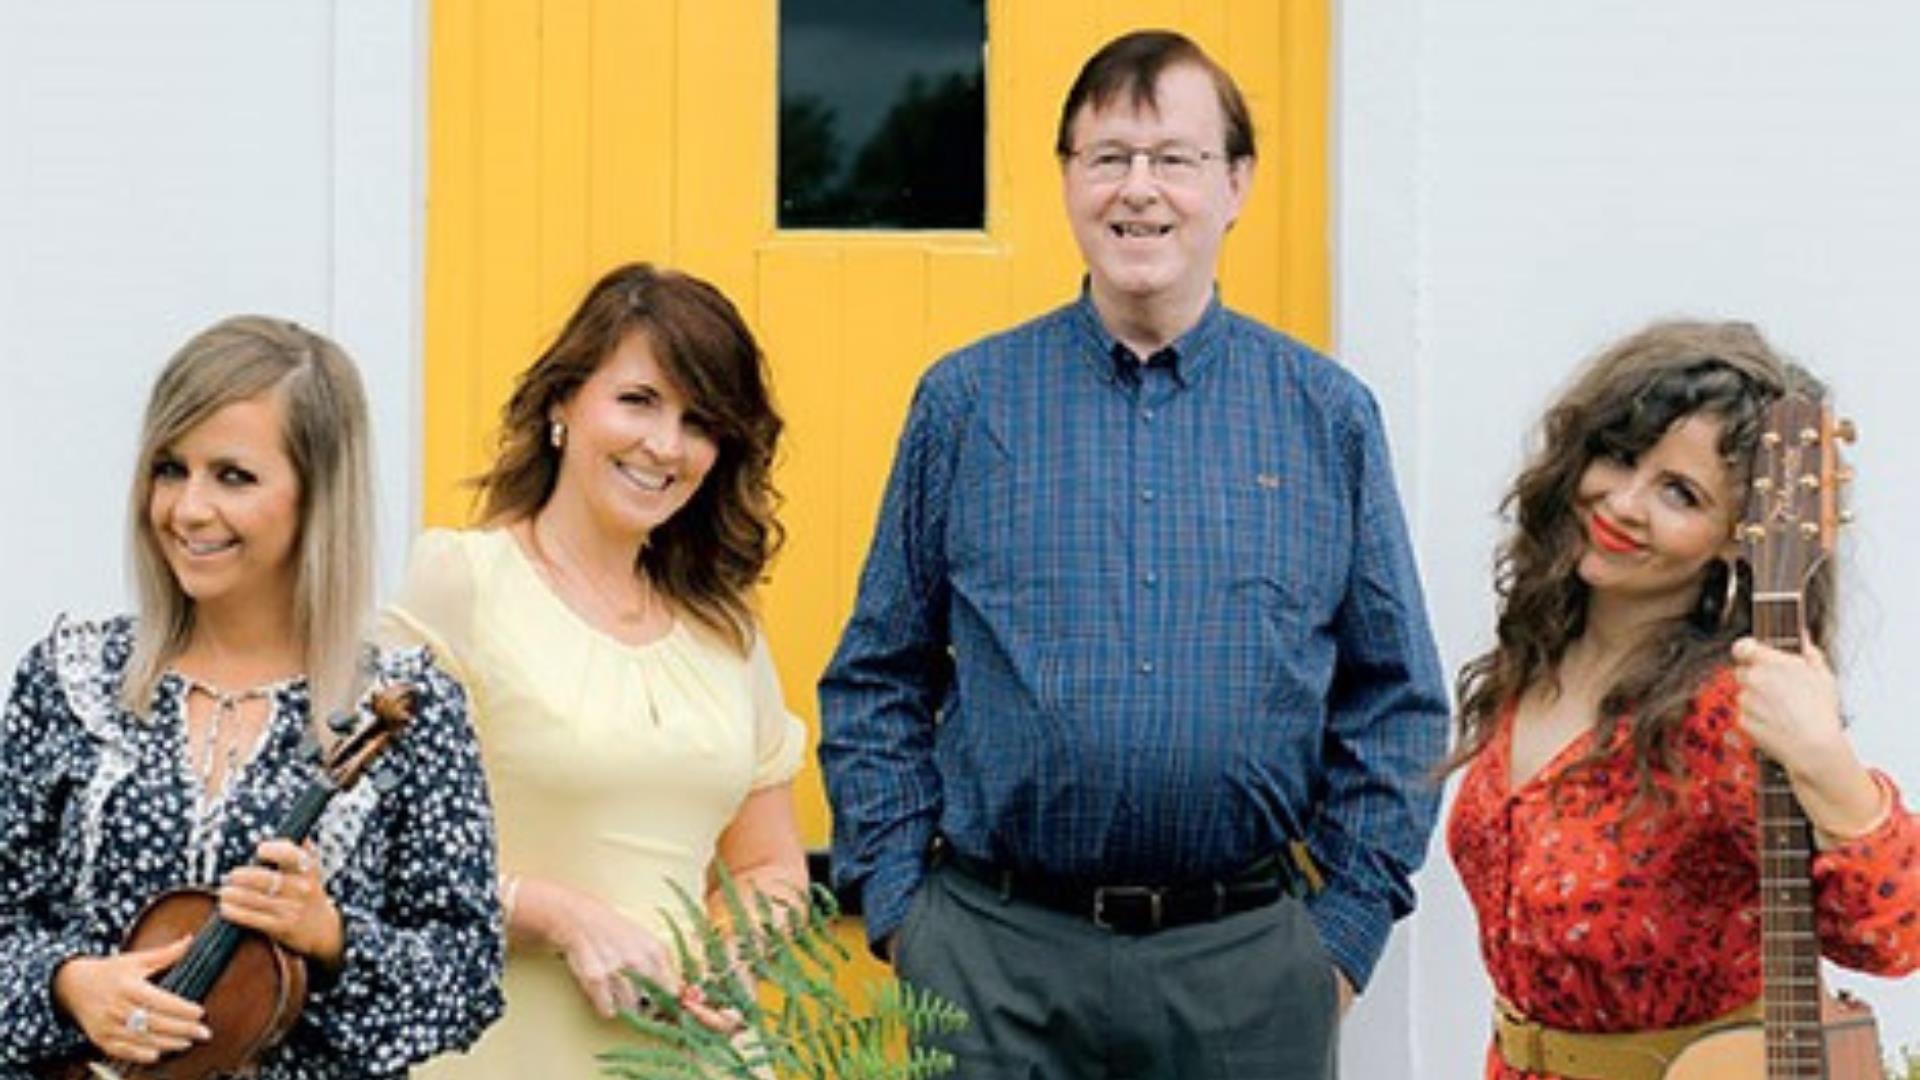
point(1793, 510)
point(389, 710)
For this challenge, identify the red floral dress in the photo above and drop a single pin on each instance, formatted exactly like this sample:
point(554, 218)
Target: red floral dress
point(1594, 919)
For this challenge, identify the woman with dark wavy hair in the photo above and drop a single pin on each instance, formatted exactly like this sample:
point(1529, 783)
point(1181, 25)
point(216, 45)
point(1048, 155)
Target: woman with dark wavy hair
point(1604, 828)
point(601, 617)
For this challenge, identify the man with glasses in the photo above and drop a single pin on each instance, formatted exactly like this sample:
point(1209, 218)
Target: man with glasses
point(1128, 739)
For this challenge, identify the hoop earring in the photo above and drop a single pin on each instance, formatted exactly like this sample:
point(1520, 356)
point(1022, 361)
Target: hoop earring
point(557, 434)
point(1717, 598)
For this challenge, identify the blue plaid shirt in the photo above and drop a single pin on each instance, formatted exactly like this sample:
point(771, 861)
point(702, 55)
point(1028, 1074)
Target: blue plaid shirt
point(1139, 623)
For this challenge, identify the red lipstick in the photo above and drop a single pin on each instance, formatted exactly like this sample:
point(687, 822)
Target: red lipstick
point(1610, 537)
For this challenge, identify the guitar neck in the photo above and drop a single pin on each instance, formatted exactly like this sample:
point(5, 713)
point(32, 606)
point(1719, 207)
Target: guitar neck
point(1790, 949)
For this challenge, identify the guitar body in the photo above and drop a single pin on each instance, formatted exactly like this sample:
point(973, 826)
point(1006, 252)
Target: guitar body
point(258, 997)
point(1740, 1052)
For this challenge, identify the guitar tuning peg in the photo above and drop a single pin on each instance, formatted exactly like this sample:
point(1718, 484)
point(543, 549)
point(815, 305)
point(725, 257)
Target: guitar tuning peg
point(1755, 533)
point(1810, 530)
point(1808, 436)
point(1845, 431)
point(341, 723)
point(1809, 481)
point(1763, 484)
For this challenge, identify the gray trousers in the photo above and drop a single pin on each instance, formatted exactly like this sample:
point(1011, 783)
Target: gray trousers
point(1051, 996)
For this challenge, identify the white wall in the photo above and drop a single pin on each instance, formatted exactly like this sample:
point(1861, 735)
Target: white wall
point(163, 165)
point(1519, 184)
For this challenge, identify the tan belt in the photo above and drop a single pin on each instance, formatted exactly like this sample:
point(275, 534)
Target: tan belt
point(1578, 1055)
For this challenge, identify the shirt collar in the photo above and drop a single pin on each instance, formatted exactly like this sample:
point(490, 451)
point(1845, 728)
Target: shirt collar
point(1188, 357)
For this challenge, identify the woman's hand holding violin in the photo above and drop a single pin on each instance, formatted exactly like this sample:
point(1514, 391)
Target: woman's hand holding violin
point(1790, 705)
point(286, 900)
point(121, 1011)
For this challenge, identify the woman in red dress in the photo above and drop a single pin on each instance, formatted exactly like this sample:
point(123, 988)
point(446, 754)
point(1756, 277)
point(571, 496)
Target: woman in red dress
point(1605, 825)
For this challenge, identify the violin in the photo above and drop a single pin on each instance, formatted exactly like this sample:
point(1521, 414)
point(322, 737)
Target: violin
point(251, 986)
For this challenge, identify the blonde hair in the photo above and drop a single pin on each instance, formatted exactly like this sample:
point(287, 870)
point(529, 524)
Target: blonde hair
point(239, 359)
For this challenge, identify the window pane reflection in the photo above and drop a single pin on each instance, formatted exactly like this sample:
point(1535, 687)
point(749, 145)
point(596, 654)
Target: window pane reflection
point(882, 114)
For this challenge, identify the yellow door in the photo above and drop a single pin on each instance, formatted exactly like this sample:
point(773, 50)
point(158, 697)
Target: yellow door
point(566, 136)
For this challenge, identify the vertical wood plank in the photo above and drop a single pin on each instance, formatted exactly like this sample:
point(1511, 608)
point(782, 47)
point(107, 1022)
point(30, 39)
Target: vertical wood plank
point(450, 439)
point(968, 297)
point(508, 187)
point(1205, 21)
point(565, 109)
point(630, 179)
point(1250, 265)
point(886, 297)
point(1121, 16)
point(1305, 270)
point(1045, 44)
point(801, 325)
point(724, 152)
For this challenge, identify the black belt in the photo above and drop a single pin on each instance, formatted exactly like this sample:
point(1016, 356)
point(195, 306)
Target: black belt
point(1135, 909)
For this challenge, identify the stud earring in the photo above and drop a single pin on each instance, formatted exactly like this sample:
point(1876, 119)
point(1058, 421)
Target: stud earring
point(557, 434)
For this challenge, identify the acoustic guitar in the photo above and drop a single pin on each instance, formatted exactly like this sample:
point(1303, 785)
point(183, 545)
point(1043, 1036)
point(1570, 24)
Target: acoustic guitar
point(1787, 535)
point(251, 987)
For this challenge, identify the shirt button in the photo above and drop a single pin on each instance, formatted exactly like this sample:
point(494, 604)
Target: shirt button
point(1149, 579)
point(1146, 495)
point(1146, 667)
point(1147, 415)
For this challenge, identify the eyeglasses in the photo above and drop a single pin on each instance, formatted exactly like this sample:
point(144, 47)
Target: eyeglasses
point(1171, 163)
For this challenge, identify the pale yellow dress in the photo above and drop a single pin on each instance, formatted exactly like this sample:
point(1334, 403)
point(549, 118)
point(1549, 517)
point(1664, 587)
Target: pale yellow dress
point(613, 768)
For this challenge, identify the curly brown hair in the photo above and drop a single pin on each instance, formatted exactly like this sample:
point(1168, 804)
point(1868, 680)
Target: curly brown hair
point(710, 555)
point(1620, 405)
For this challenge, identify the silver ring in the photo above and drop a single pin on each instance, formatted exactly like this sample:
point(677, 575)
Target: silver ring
point(137, 1020)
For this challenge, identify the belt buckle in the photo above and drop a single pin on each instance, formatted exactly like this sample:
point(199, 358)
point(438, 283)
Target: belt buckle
point(1155, 904)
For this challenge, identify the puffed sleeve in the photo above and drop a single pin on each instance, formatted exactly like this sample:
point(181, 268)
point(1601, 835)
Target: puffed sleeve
point(424, 947)
point(435, 604)
point(780, 739)
point(1867, 895)
point(36, 736)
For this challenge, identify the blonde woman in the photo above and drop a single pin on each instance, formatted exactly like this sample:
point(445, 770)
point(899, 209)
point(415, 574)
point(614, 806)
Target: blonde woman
point(140, 754)
point(629, 713)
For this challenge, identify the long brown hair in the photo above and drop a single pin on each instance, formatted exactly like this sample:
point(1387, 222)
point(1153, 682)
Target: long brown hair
point(1621, 404)
point(708, 557)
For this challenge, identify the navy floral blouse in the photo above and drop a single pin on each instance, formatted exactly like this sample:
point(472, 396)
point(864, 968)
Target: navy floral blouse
point(100, 810)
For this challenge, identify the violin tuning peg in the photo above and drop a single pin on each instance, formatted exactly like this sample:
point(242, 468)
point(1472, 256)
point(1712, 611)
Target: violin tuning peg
point(1845, 431)
point(341, 723)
